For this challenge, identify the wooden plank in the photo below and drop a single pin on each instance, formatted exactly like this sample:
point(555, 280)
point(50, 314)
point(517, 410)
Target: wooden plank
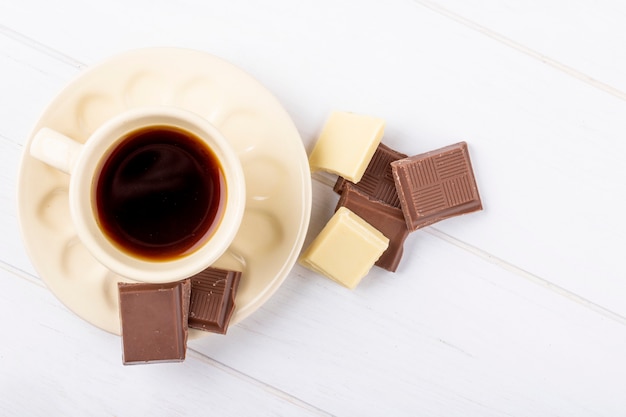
point(581, 37)
point(449, 334)
point(29, 80)
point(545, 147)
point(12, 251)
point(53, 363)
point(462, 337)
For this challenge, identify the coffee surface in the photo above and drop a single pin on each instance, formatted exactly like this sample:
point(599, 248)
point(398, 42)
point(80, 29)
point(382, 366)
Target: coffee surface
point(159, 193)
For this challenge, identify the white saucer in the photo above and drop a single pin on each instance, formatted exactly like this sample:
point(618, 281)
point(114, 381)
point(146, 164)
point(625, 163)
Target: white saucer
point(278, 182)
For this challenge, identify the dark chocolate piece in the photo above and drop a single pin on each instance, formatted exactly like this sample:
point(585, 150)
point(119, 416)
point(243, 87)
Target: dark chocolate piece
point(154, 321)
point(213, 299)
point(387, 219)
point(377, 181)
point(436, 185)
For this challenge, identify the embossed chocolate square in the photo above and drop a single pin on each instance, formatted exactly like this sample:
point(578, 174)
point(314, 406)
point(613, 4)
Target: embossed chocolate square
point(436, 185)
point(377, 180)
point(213, 299)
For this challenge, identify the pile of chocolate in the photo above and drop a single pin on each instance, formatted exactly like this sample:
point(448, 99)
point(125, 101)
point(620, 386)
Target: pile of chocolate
point(385, 195)
point(155, 317)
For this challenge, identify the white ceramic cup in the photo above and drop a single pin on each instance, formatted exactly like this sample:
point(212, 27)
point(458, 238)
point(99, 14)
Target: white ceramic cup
point(83, 163)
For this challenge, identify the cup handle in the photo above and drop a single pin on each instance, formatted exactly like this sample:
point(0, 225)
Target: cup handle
point(55, 149)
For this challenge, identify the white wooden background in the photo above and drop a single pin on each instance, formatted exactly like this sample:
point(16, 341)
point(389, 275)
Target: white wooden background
point(519, 310)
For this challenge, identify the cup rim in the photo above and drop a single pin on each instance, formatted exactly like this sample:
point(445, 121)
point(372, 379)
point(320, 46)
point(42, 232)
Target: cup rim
point(82, 200)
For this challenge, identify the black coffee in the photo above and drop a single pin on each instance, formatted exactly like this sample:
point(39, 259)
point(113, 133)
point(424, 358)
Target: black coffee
point(159, 192)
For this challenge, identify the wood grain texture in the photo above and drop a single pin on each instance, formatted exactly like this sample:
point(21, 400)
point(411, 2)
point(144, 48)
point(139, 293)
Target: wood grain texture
point(64, 366)
point(514, 311)
point(460, 337)
point(566, 38)
point(515, 112)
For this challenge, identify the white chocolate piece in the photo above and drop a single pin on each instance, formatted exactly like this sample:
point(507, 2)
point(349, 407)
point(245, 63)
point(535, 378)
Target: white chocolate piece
point(346, 145)
point(346, 249)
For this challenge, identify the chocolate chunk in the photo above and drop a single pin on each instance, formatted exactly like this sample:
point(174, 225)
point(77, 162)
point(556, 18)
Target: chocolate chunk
point(436, 185)
point(346, 248)
point(377, 181)
point(154, 321)
point(346, 144)
point(213, 299)
point(388, 219)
